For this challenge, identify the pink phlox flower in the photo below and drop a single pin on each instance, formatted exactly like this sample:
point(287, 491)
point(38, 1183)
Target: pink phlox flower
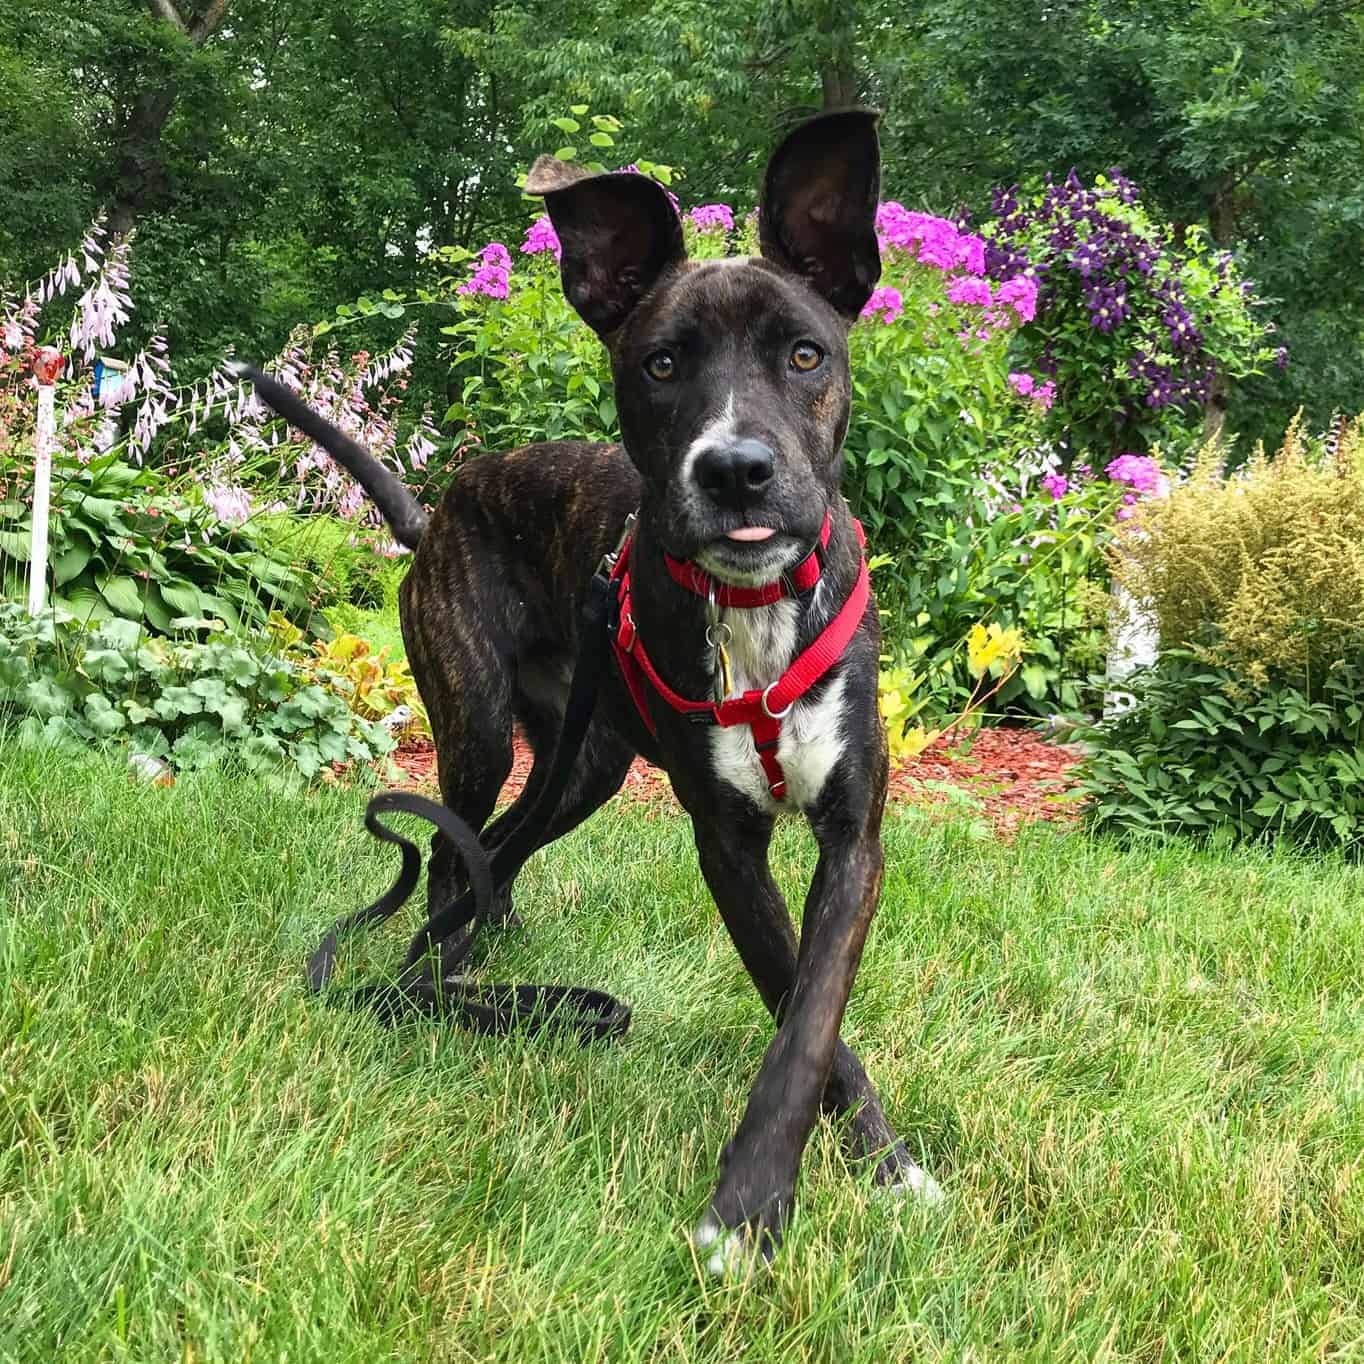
point(712, 217)
point(541, 236)
point(1141, 473)
point(1044, 395)
point(1023, 384)
point(969, 289)
point(934, 241)
point(887, 302)
point(1019, 293)
point(1056, 485)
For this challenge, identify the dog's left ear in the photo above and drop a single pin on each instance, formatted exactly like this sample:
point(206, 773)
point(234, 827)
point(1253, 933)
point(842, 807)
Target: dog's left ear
point(818, 214)
point(618, 234)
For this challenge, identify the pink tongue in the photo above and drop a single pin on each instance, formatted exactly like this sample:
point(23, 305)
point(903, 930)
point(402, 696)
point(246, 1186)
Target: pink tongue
point(751, 533)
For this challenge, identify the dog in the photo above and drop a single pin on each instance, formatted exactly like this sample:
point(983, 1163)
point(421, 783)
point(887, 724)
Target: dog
point(743, 564)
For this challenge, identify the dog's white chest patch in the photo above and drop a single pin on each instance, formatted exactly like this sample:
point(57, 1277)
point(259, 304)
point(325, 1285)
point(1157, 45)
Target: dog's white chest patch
point(761, 646)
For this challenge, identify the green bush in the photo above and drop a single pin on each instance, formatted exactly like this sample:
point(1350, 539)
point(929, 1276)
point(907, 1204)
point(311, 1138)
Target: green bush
point(1198, 754)
point(125, 544)
point(192, 703)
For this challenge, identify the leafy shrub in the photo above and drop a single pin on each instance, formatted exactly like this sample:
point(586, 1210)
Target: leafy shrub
point(124, 544)
point(195, 704)
point(1133, 318)
point(371, 683)
point(1263, 569)
point(1198, 753)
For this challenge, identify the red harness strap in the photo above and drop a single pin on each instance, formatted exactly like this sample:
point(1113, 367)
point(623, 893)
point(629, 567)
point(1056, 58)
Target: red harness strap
point(762, 710)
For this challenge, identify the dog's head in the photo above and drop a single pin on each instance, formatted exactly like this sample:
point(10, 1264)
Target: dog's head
point(731, 375)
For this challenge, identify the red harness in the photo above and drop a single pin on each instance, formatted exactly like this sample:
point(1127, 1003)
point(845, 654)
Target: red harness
point(762, 710)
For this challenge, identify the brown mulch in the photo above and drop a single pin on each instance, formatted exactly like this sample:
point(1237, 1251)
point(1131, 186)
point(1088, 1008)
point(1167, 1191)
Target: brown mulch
point(1008, 777)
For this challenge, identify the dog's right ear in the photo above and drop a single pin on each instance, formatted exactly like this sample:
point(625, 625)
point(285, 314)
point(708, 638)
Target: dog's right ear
point(618, 234)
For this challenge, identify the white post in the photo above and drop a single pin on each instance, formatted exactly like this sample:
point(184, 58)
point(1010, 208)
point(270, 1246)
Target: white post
point(45, 369)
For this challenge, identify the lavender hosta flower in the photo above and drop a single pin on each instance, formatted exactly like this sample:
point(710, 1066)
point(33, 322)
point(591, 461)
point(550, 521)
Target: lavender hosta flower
point(1056, 485)
point(712, 218)
point(969, 289)
point(541, 236)
point(886, 302)
point(231, 505)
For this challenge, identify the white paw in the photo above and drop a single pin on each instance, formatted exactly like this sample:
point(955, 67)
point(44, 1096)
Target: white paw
point(728, 1256)
point(914, 1183)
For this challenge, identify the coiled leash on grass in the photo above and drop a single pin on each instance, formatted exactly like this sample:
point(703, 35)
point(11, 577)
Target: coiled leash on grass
point(491, 1008)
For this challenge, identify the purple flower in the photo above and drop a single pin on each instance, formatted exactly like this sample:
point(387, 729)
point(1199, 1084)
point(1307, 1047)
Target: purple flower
point(1281, 357)
point(492, 279)
point(1056, 484)
point(1022, 383)
point(969, 289)
point(541, 236)
point(886, 301)
point(712, 217)
point(1044, 395)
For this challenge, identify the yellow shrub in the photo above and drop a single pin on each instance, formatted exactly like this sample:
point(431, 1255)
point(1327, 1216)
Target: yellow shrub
point(1265, 568)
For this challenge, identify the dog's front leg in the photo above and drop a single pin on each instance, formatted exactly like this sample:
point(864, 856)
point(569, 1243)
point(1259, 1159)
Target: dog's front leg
point(760, 1165)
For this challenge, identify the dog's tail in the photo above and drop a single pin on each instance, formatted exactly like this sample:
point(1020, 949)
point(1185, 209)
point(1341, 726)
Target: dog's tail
point(405, 516)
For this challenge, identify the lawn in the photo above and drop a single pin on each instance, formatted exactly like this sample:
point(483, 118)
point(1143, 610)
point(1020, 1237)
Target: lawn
point(1137, 1072)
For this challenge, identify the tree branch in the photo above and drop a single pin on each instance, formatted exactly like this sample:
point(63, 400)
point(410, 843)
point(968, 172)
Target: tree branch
point(207, 24)
point(165, 9)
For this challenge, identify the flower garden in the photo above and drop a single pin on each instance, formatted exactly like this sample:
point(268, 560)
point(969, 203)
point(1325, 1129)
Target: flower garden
point(1038, 459)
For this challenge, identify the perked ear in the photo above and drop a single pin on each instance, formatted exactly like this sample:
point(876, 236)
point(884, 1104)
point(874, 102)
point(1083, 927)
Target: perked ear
point(818, 216)
point(618, 234)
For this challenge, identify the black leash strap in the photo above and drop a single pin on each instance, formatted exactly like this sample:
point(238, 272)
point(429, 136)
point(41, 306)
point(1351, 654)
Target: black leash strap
point(590, 1014)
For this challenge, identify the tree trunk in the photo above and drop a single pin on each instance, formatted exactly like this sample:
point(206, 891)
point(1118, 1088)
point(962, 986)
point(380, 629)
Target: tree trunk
point(837, 72)
point(839, 81)
point(141, 164)
point(141, 169)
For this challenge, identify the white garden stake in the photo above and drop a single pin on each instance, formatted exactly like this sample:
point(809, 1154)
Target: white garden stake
point(47, 365)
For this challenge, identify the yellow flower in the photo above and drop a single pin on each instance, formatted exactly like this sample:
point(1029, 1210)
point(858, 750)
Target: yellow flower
point(987, 645)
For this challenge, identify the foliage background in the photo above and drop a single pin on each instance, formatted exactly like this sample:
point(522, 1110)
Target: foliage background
point(282, 156)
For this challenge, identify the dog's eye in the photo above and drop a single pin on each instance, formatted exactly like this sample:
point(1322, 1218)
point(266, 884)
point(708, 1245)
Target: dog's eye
point(661, 366)
point(805, 356)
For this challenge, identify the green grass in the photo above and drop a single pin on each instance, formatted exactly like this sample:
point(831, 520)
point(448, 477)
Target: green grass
point(1138, 1074)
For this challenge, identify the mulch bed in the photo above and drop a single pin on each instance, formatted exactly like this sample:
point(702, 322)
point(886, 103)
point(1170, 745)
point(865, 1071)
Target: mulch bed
point(1008, 777)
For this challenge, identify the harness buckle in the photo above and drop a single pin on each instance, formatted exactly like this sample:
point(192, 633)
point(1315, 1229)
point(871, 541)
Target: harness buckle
point(767, 709)
point(609, 560)
point(626, 635)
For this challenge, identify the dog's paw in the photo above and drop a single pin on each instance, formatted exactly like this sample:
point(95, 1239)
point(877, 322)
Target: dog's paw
point(731, 1252)
point(912, 1183)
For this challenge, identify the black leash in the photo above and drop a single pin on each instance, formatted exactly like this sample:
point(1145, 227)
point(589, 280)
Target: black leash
point(491, 1008)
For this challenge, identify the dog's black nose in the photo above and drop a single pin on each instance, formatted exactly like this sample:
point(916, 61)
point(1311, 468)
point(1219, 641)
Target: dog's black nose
point(735, 474)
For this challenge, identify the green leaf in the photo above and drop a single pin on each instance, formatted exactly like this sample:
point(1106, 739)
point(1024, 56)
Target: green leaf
point(122, 595)
point(602, 140)
point(565, 153)
point(70, 563)
point(17, 545)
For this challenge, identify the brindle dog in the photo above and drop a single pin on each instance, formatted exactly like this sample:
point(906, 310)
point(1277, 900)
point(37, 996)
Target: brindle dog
point(733, 389)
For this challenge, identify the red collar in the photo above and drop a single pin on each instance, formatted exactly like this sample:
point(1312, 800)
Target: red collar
point(801, 578)
point(762, 709)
